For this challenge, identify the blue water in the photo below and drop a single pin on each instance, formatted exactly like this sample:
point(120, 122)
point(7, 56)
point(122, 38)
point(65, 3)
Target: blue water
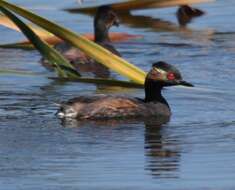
point(195, 150)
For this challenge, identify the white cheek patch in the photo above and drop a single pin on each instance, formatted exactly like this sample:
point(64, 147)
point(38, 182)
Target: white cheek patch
point(162, 75)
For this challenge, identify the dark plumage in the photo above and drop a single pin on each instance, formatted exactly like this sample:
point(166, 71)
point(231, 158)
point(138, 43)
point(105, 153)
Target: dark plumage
point(104, 19)
point(186, 13)
point(111, 107)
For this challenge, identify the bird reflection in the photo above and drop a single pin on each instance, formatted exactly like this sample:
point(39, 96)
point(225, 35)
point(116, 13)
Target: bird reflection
point(185, 15)
point(70, 122)
point(140, 21)
point(162, 154)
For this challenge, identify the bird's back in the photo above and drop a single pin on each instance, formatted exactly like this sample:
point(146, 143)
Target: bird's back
point(109, 107)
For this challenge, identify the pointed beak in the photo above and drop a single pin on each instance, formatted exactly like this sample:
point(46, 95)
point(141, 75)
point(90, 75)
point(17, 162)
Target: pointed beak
point(185, 83)
point(177, 82)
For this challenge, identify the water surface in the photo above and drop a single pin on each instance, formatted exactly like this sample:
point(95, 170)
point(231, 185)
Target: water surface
point(195, 150)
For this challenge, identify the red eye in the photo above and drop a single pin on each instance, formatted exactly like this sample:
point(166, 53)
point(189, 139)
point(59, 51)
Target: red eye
point(170, 76)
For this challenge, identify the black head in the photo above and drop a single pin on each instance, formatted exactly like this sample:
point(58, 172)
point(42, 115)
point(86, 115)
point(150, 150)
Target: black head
point(106, 17)
point(165, 74)
point(186, 13)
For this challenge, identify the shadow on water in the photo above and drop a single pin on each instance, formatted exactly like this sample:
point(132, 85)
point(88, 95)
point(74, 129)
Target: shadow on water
point(147, 22)
point(159, 25)
point(162, 155)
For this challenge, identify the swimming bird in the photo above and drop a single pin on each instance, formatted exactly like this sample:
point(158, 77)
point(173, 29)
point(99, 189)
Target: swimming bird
point(186, 13)
point(104, 19)
point(100, 107)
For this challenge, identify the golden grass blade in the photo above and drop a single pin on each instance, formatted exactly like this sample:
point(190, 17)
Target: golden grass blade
point(5, 21)
point(16, 72)
point(90, 48)
point(62, 66)
point(108, 82)
point(19, 45)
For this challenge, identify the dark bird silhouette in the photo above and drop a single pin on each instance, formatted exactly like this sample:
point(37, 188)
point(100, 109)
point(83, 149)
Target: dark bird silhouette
point(104, 19)
point(110, 106)
point(185, 14)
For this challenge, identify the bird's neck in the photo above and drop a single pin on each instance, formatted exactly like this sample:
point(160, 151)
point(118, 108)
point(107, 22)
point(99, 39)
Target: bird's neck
point(153, 92)
point(101, 33)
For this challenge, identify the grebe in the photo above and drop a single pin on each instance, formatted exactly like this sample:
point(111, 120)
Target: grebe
point(186, 13)
point(101, 107)
point(104, 19)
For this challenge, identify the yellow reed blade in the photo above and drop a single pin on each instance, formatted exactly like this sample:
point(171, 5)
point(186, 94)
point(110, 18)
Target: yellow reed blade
point(5, 21)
